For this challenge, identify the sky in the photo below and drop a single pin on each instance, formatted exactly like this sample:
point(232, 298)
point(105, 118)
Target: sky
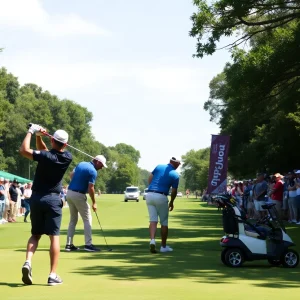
point(129, 62)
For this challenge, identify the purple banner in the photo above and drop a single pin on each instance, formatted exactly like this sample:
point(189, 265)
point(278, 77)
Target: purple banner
point(217, 178)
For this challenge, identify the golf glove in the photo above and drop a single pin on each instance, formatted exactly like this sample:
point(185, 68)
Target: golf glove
point(41, 131)
point(34, 128)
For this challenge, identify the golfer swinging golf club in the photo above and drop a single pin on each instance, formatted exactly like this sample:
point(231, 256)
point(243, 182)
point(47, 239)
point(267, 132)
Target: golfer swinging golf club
point(45, 203)
point(160, 180)
point(83, 180)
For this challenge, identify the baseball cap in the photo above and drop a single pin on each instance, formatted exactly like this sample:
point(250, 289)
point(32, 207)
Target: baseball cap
point(102, 159)
point(173, 159)
point(61, 136)
point(1, 179)
point(297, 172)
point(15, 181)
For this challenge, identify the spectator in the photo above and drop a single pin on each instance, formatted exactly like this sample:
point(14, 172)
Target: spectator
point(239, 194)
point(276, 193)
point(22, 189)
point(298, 195)
point(246, 194)
point(7, 200)
point(234, 188)
point(27, 195)
point(292, 189)
point(259, 192)
point(2, 200)
point(285, 205)
point(187, 192)
point(14, 194)
point(19, 201)
point(62, 196)
point(250, 203)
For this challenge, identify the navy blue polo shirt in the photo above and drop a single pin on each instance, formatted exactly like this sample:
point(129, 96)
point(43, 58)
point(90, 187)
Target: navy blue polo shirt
point(164, 177)
point(84, 173)
point(50, 170)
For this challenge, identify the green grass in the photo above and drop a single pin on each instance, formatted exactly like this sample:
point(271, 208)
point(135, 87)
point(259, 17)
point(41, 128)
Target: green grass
point(192, 271)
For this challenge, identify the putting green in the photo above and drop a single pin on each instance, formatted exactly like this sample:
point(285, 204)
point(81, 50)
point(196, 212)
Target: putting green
point(192, 271)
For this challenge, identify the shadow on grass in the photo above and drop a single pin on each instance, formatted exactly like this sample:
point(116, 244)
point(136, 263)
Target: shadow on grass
point(18, 285)
point(12, 285)
point(196, 255)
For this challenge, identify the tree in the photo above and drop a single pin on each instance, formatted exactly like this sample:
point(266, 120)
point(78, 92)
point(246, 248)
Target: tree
point(216, 19)
point(127, 174)
point(134, 154)
point(195, 169)
point(143, 178)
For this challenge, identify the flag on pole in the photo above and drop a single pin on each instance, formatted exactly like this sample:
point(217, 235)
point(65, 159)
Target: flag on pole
point(217, 178)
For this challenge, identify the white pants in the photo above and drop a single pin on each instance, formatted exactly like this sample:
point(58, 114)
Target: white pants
point(78, 203)
point(158, 207)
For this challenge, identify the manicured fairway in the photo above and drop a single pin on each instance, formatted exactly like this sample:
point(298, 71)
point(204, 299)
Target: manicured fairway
point(192, 271)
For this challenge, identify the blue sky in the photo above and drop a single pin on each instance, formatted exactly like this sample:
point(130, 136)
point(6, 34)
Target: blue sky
point(129, 62)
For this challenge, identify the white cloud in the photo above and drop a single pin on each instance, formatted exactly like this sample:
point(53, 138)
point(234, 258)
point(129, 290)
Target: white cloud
point(29, 14)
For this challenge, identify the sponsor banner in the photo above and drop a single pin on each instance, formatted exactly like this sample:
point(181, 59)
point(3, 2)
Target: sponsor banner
point(217, 178)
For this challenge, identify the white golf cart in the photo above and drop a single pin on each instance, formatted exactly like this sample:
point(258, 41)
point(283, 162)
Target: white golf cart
point(244, 241)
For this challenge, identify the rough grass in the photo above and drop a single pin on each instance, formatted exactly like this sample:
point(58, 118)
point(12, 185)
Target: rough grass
point(192, 271)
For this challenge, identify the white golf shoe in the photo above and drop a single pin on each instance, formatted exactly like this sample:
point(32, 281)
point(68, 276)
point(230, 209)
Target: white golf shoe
point(152, 246)
point(165, 249)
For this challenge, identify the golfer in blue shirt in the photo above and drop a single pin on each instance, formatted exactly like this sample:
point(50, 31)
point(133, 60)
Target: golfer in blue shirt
point(83, 180)
point(160, 181)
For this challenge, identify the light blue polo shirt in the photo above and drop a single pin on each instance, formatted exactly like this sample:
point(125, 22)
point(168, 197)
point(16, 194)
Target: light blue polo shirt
point(84, 173)
point(164, 177)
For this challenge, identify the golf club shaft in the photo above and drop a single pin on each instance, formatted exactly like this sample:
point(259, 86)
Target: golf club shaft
point(47, 134)
point(102, 232)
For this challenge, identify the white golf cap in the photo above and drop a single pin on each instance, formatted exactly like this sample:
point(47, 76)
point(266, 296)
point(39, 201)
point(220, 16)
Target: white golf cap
point(61, 136)
point(298, 172)
point(1, 179)
point(173, 159)
point(102, 159)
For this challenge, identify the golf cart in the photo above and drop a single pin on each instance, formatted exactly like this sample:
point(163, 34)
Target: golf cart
point(245, 241)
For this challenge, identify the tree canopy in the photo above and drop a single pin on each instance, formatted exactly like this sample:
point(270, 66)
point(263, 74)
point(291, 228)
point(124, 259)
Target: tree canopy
point(247, 18)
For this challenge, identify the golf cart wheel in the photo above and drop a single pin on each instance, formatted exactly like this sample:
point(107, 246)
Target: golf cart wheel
point(126, 200)
point(137, 200)
point(290, 258)
point(223, 253)
point(274, 262)
point(234, 258)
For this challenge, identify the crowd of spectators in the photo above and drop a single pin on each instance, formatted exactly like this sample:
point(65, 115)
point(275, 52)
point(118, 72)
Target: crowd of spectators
point(282, 190)
point(14, 200)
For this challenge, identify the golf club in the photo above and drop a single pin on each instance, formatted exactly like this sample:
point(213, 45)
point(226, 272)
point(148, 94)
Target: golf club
point(47, 134)
point(114, 165)
point(108, 248)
